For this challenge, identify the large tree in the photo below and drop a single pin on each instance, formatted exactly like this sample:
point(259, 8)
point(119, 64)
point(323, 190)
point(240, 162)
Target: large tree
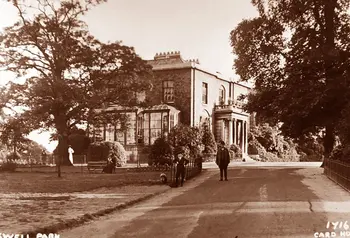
point(297, 53)
point(67, 72)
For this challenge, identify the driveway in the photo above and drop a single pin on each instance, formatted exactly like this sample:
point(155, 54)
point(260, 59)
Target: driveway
point(257, 201)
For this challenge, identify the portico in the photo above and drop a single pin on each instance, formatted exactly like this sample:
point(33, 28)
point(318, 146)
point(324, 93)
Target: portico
point(231, 125)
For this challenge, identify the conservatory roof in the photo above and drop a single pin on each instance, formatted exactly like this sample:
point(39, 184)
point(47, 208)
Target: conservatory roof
point(162, 107)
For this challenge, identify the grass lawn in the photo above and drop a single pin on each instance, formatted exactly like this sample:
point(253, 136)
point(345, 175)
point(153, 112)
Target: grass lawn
point(72, 180)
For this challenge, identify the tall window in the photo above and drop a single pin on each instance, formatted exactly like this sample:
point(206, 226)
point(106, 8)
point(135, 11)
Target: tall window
point(109, 132)
point(131, 131)
point(168, 91)
point(146, 131)
point(221, 94)
point(156, 126)
point(205, 93)
point(119, 134)
point(140, 129)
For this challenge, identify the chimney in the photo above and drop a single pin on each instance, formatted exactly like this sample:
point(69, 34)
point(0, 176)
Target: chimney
point(168, 55)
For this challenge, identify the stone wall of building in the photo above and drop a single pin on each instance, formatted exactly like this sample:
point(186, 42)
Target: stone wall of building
point(214, 84)
point(238, 90)
point(182, 91)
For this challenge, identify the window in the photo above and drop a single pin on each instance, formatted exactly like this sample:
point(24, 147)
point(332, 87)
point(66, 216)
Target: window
point(119, 134)
point(205, 93)
point(140, 129)
point(131, 131)
point(221, 94)
point(165, 126)
point(146, 128)
point(156, 126)
point(172, 120)
point(98, 133)
point(109, 132)
point(168, 91)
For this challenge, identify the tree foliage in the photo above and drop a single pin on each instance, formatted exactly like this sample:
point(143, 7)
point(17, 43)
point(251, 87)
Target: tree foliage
point(107, 150)
point(268, 142)
point(310, 147)
point(182, 136)
point(79, 141)
point(13, 133)
point(161, 152)
point(67, 72)
point(297, 53)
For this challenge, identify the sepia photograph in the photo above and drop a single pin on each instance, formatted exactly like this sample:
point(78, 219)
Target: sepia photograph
point(155, 118)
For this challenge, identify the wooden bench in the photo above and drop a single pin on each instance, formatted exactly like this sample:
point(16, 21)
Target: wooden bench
point(96, 166)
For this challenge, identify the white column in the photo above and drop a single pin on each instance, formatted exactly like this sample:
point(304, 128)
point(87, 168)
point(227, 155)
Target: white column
point(230, 134)
point(234, 131)
point(246, 137)
point(241, 135)
point(223, 130)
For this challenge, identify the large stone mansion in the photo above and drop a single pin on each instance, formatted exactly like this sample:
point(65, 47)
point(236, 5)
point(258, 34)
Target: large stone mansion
point(184, 92)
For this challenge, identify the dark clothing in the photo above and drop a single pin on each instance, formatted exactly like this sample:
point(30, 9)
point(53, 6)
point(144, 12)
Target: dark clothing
point(222, 157)
point(181, 163)
point(180, 172)
point(180, 169)
point(108, 169)
point(223, 173)
point(222, 160)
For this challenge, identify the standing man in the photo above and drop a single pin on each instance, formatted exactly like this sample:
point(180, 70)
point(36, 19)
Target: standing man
point(222, 159)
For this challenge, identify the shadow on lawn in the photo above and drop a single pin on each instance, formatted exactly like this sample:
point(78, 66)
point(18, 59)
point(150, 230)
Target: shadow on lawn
point(45, 182)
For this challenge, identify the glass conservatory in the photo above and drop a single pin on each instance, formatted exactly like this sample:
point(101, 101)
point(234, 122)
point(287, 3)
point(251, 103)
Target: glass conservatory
point(143, 126)
point(154, 122)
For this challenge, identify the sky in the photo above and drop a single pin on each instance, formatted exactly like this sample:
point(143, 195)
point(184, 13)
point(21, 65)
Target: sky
point(199, 29)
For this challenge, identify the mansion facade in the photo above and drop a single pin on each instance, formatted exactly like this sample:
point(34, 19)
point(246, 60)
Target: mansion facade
point(183, 92)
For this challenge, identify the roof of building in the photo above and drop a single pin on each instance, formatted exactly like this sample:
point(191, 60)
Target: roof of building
point(162, 107)
point(174, 60)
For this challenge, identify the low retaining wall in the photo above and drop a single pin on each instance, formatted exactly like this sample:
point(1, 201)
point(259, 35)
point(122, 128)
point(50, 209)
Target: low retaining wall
point(339, 172)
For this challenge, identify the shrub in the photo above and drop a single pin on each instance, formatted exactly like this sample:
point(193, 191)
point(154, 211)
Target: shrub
point(10, 162)
point(310, 148)
point(161, 152)
point(208, 141)
point(337, 153)
point(235, 151)
point(80, 143)
point(184, 150)
point(8, 166)
point(266, 136)
point(107, 150)
point(253, 149)
point(267, 142)
point(190, 137)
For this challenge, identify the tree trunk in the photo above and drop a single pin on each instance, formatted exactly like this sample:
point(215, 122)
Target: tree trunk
point(63, 150)
point(328, 53)
point(328, 142)
point(62, 147)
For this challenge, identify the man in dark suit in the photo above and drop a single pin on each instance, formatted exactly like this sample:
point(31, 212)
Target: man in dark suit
point(222, 159)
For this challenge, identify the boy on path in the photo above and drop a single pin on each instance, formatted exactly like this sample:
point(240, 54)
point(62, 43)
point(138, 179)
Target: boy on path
point(180, 168)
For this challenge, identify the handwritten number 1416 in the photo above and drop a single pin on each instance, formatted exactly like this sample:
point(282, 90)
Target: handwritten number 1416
point(338, 225)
